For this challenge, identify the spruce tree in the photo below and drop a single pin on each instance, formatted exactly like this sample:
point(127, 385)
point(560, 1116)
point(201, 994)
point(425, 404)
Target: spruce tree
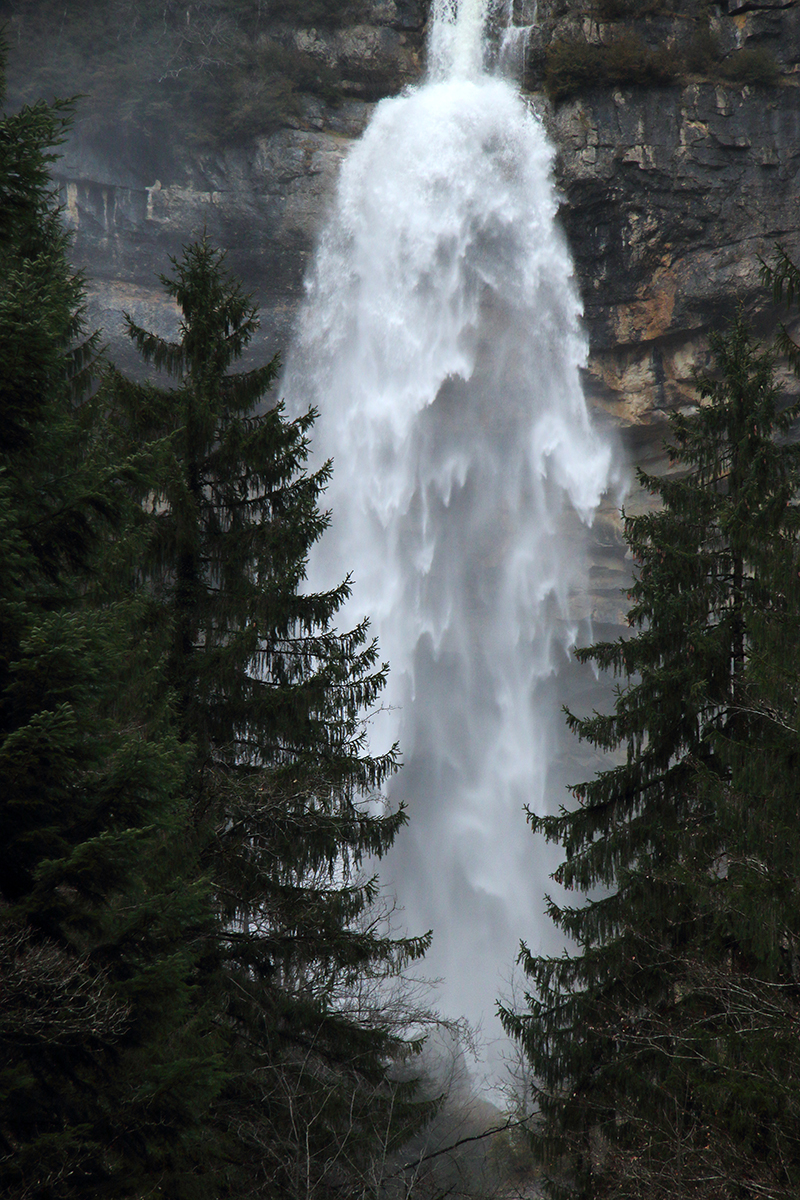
point(104, 1074)
point(273, 699)
point(662, 1046)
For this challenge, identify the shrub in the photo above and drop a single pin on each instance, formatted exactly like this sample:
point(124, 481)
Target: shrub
point(326, 13)
point(613, 10)
point(571, 66)
point(211, 78)
point(629, 60)
point(750, 65)
point(255, 93)
point(701, 55)
point(574, 65)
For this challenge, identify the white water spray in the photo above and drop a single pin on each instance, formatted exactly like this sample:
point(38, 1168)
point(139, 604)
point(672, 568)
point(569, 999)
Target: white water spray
point(441, 343)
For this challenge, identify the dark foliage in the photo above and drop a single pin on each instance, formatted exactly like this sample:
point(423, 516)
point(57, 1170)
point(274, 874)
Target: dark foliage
point(752, 64)
point(615, 10)
point(574, 65)
point(274, 700)
point(663, 1045)
point(782, 276)
point(106, 1062)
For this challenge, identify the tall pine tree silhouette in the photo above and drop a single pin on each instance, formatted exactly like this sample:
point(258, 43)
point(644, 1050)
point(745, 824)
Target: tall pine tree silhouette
point(274, 700)
point(106, 1069)
point(662, 1046)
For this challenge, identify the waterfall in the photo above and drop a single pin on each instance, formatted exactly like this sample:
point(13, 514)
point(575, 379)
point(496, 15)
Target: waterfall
point(440, 340)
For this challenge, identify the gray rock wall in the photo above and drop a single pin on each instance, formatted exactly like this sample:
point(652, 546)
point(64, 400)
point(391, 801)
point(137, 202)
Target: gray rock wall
point(263, 203)
point(671, 195)
point(133, 197)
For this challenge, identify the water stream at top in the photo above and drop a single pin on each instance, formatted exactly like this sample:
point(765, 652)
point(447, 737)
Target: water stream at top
point(440, 341)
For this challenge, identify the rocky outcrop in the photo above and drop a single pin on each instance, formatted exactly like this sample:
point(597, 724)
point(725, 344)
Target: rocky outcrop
point(673, 194)
point(264, 203)
point(374, 57)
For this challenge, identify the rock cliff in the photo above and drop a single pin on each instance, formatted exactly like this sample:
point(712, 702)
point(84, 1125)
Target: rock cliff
point(134, 192)
point(677, 127)
point(673, 193)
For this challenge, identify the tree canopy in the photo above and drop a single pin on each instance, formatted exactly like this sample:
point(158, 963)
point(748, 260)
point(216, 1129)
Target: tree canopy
point(103, 1073)
point(662, 1044)
point(274, 700)
point(194, 949)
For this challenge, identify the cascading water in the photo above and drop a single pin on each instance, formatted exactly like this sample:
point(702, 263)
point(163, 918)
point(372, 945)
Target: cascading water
point(440, 341)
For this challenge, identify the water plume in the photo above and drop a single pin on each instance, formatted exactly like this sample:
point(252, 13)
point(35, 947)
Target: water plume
point(441, 342)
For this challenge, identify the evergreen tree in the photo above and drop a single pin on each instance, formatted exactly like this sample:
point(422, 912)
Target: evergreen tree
point(783, 276)
point(273, 699)
point(103, 1073)
point(663, 1048)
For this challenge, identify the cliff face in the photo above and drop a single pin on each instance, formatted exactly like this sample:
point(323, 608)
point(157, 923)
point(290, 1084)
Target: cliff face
point(674, 185)
point(134, 193)
point(673, 194)
point(672, 198)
